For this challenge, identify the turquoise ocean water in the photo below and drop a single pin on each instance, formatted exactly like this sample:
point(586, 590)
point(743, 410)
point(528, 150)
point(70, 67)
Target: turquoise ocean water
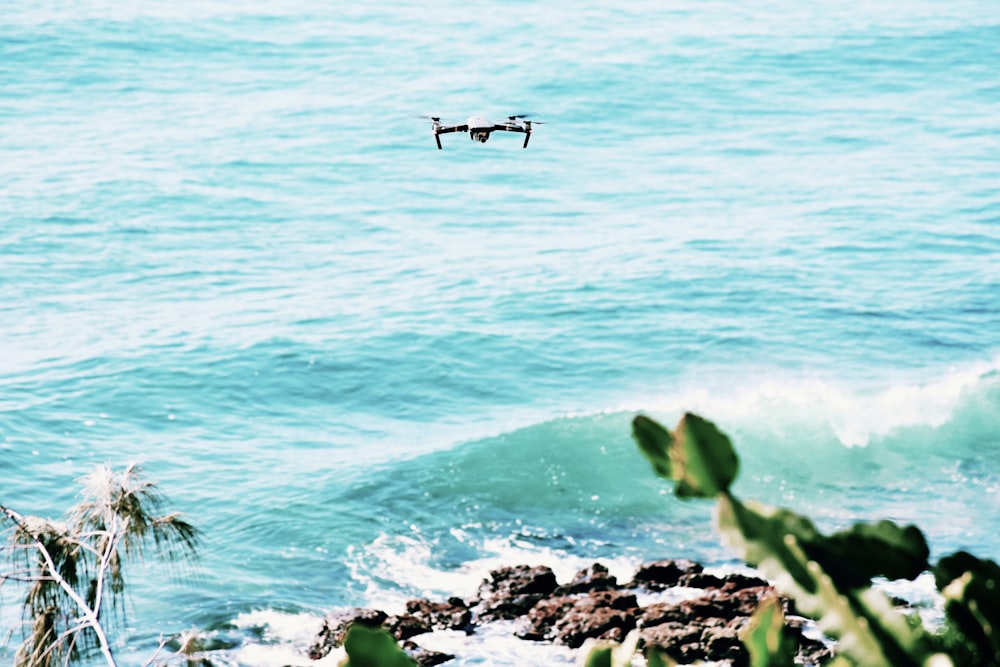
point(371, 370)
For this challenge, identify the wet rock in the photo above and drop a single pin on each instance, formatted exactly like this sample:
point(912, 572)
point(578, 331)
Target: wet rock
point(724, 604)
point(425, 657)
point(594, 578)
point(727, 582)
point(703, 628)
point(570, 620)
point(454, 614)
point(594, 605)
point(693, 641)
point(405, 626)
point(722, 642)
point(511, 592)
point(663, 574)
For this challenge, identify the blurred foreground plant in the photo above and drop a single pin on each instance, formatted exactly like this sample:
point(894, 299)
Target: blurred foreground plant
point(830, 576)
point(73, 571)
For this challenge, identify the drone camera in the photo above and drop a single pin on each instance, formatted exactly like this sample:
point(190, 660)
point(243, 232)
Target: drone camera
point(481, 137)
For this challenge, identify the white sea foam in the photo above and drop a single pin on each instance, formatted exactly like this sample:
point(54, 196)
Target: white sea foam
point(406, 562)
point(855, 416)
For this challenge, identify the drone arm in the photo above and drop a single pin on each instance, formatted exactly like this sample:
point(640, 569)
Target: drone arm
point(447, 129)
point(527, 135)
point(508, 127)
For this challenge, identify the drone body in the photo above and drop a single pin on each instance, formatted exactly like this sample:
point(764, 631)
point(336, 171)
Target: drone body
point(479, 128)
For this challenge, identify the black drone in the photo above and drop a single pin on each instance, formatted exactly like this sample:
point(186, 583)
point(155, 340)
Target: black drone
point(479, 128)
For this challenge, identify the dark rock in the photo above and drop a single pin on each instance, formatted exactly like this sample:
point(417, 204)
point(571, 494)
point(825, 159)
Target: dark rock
point(662, 574)
point(451, 615)
point(542, 618)
point(570, 620)
point(703, 628)
point(604, 623)
point(722, 604)
point(680, 641)
point(405, 626)
point(331, 634)
point(512, 591)
point(594, 605)
point(425, 657)
point(700, 580)
point(722, 642)
point(594, 578)
point(714, 640)
point(661, 613)
point(728, 582)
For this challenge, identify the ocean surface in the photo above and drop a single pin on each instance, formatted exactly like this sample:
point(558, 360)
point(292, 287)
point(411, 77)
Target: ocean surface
point(370, 370)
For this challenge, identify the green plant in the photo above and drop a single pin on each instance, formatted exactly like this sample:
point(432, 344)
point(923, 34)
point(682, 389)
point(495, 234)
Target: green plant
point(373, 647)
point(830, 576)
point(73, 571)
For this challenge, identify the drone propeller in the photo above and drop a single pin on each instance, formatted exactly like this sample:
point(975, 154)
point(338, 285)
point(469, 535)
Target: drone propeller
point(516, 117)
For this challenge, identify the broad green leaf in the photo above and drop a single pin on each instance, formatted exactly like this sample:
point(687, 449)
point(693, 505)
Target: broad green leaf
point(596, 656)
point(655, 442)
point(765, 636)
point(703, 460)
point(855, 556)
point(697, 456)
point(657, 658)
point(373, 647)
point(761, 534)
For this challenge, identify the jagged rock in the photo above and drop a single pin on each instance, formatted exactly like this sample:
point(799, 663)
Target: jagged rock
point(662, 613)
point(593, 604)
point(680, 641)
point(451, 615)
point(405, 626)
point(687, 642)
point(543, 617)
point(570, 620)
point(422, 616)
point(512, 591)
point(722, 642)
point(725, 604)
point(663, 574)
point(425, 657)
point(727, 582)
point(594, 578)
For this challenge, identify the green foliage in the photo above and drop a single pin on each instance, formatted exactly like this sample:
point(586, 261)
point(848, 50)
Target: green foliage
point(765, 636)
point(830, 577)
point(74, 570)
point(824, 577)
point(656, 658)
point(697, 456)
point(971, 590)
point(609, 654)
point(373, 647)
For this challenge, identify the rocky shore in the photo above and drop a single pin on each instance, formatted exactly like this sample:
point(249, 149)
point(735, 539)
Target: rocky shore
point(696, 615)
